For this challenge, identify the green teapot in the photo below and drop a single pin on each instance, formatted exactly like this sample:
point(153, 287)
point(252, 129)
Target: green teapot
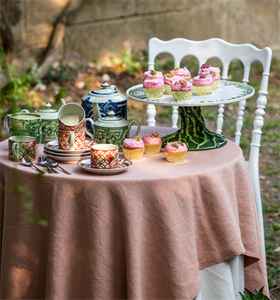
point(49, 123)
point(113, 130)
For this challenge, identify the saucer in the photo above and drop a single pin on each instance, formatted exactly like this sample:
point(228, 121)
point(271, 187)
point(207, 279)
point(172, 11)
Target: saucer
point(122, 166)
point(63, 154)
point(66, 159)
point(53, 146)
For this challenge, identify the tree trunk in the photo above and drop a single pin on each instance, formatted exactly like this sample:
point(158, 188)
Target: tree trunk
point(57, 36)
point(6, 34)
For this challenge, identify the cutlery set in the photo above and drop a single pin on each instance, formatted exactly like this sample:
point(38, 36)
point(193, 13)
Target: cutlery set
point(46, 162)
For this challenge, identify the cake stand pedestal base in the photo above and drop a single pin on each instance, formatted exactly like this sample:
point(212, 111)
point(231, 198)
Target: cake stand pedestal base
point(193, 131)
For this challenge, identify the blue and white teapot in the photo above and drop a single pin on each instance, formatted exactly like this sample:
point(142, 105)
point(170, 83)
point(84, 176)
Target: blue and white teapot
point(97, 103)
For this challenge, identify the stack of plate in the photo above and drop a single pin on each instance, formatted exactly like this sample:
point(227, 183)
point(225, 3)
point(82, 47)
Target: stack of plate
point(51, 149)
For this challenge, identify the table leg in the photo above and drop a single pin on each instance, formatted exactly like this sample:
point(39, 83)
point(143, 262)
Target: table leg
point(193, 131)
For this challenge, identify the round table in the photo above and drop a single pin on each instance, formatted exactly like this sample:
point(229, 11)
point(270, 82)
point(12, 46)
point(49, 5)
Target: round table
point(141, 234)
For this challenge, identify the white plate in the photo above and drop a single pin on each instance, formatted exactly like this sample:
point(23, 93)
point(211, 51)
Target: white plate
point(53, 146)
point(86, 153)
point(123, 165)
point(67, 160)
point(228, 92)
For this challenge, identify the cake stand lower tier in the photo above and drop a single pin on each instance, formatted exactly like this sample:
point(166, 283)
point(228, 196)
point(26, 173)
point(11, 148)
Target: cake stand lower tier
point(193, 131)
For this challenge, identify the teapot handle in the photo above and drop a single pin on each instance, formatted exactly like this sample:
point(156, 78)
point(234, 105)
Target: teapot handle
point(25, 111)
point(7, 123)
point(92, 124)
point(113, 87)
point(138, 128)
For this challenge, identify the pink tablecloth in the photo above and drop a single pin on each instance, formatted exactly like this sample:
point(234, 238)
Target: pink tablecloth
point(141, 234)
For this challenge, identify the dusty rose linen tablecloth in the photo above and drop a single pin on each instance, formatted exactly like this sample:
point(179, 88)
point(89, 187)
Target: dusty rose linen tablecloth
point(141, 234)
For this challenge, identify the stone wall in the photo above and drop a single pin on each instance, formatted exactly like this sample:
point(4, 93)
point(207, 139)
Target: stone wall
point(99, 28)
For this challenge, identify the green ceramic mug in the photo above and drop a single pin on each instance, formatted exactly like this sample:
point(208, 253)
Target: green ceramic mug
point(24, 123)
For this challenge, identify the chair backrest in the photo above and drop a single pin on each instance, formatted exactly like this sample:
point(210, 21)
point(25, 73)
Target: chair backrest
point(226, 52)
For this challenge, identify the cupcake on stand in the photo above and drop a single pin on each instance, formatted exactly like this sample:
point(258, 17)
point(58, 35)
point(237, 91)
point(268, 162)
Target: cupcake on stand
point(214, 71)
point(182, 72)
point(168, 79)
point(202, 85)
point(153, 88)
point(181, 90)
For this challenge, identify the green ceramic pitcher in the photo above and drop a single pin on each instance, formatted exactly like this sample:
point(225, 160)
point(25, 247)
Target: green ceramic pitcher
point(24, 123)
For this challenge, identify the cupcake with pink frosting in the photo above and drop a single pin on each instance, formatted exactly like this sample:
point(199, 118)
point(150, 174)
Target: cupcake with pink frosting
point(202, 85)
point(152, 74)
point(168, 79)
point(133, 149)
point(153, 88)
point(181, 90)
point(182, 72)
point(152, 143)
point(214, 71)
point(175, 152)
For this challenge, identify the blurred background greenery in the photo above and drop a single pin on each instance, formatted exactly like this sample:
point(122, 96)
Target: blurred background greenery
point(71, 76)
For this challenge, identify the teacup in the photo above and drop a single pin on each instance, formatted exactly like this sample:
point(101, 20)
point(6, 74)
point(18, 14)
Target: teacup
point(24, 123)
point(71, 117)
point(71, 140)
point(104, 156)
point(22, 147)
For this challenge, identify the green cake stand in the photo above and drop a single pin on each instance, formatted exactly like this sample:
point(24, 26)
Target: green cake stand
point(193, 131)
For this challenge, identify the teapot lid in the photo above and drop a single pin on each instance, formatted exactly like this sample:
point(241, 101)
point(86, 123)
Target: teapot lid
point(111, 117)
point(46, 109)
point(111, 120)
point(106, 90)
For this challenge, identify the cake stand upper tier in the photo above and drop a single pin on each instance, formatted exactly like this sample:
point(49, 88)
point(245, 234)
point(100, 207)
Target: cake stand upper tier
point(193, 131)
point(228, 92)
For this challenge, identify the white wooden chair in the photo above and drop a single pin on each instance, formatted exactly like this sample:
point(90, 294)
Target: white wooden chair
point(226, 52)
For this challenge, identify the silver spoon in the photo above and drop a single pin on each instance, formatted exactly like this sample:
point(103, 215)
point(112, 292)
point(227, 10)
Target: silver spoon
point(54, 164)
point(50, 166)
point(42, 161)
point(29, 163)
